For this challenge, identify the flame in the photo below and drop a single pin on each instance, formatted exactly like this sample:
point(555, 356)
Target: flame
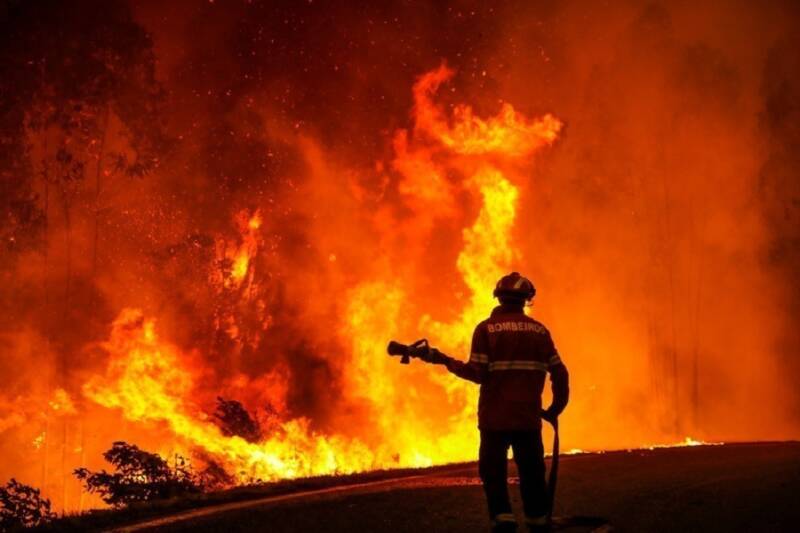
point(38, 442)
point(238, 255)
point(240, 264)
point(150, 380)
point(235, 281)
point(255, 221)
point(61, 402)
point(437, 147)
point(280, 231)
point(688, 441)
point(509, 133)
point(575, 451)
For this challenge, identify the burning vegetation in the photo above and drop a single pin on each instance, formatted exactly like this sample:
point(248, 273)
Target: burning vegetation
point(209, 239)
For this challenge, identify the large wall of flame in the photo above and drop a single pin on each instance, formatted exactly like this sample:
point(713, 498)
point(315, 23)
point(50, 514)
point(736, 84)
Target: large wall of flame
point(660, 227)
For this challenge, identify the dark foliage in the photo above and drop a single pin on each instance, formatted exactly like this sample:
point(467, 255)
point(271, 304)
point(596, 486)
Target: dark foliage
point(140, 476)
point(22, 506)
point(66, 69)
point(215, 477)
point(234, 420)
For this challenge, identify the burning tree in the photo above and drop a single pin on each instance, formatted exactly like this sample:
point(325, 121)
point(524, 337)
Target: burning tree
point(233, 419)
point(214, 476)
point(152, 378)
point(79, 125)
point(140, 476)
point(22, 506)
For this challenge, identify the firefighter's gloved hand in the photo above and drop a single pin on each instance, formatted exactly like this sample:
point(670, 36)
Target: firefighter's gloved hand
point(549, 415)
point(433, 356)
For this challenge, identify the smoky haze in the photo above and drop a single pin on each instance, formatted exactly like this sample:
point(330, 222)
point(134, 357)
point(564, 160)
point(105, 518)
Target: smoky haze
point(661, 228)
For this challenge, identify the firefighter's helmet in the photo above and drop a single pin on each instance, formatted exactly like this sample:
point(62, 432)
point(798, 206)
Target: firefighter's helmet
point(514, 286)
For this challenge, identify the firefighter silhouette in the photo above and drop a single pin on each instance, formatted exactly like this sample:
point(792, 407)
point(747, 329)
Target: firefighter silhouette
point(510, 357)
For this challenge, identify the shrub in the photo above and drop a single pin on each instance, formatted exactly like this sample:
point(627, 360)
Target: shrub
point(214, 476)
point(139, 476)
point(22, 506)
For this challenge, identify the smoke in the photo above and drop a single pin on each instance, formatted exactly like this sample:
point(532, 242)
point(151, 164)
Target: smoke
point(778, 194)
point(660, 228)
point(650, 225)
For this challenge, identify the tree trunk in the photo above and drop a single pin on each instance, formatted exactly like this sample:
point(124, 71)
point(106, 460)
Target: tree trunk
point(46, 309)
point(62, 359)
point(97, 177)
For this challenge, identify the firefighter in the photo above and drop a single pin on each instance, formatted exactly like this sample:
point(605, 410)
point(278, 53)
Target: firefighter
point(510, 357)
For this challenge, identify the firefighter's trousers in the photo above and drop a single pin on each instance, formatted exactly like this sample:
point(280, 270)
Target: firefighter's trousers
point(493, 468)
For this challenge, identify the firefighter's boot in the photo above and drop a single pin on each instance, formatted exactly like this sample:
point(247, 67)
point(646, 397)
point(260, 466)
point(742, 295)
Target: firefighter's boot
point(538, 524)
point(504, 523)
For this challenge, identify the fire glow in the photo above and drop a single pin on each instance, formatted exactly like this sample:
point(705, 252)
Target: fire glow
point(149, 380)
point(251, 216)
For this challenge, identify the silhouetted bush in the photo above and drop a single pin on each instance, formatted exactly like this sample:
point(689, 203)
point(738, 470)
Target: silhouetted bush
point(214, 476)
point(22, 506)
point(234, 420)
point(140, 476)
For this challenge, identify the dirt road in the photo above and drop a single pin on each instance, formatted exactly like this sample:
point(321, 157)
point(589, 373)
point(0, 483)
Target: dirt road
point(740, 487)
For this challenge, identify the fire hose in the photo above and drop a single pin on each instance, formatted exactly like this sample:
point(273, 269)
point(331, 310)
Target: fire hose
point(596, 523)
point(552, 477)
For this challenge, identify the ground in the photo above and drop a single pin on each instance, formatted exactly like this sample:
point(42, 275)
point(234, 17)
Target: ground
point(735, 487)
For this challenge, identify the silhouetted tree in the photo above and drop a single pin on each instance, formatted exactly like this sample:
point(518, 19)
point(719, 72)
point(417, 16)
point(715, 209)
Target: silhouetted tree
point(233, 419)
point(63, 73)
point(214, 476)
point(71, 79)
point(22, 506)
point(139, 476)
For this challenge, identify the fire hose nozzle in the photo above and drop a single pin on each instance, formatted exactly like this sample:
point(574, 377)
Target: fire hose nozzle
point(406, 351)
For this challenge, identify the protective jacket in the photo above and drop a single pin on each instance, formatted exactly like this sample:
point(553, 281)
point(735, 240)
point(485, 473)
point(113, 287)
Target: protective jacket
point(510, 357)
